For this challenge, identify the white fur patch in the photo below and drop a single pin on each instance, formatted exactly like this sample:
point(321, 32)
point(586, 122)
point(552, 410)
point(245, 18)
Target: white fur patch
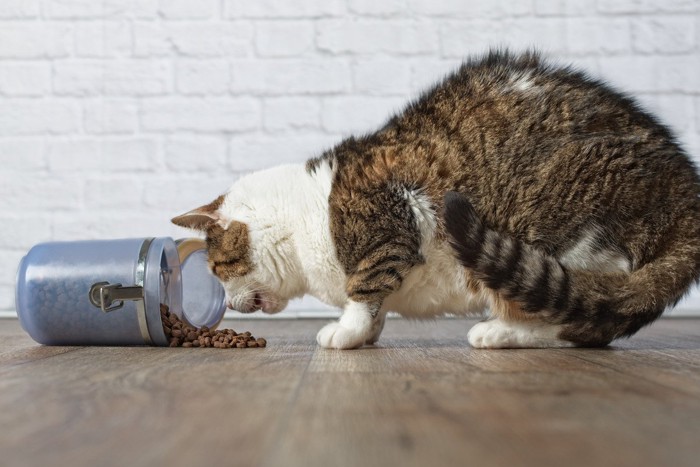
point(586, 254)
point(499, 334)
point(423, 212)
point(523, 83)
point(286, 210)
point(353, 330)
point(436, 288)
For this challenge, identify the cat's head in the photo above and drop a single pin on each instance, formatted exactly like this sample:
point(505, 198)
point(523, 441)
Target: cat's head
point(250, 250)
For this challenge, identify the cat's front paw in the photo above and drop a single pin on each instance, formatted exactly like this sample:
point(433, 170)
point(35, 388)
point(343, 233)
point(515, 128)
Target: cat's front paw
point(337, 336)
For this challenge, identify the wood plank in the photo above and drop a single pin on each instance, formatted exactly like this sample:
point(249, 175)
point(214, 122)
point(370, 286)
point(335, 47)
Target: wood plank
point(422, 397)
point(510, 407)
point(145, 406)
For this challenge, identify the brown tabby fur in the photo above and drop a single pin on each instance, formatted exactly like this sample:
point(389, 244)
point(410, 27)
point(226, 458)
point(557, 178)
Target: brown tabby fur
point(535, 170)
point(228, 249)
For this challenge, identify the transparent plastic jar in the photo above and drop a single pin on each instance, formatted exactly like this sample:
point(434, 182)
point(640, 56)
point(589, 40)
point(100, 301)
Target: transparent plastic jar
point(109, 292)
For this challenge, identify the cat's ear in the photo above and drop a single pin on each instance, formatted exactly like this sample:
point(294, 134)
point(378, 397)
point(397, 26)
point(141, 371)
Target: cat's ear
point(201, 218)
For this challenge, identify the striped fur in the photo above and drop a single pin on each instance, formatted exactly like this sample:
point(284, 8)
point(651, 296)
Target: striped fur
point(594, 307)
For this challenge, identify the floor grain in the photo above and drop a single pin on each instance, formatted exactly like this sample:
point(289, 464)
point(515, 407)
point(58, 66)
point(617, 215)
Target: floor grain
point(423, 397)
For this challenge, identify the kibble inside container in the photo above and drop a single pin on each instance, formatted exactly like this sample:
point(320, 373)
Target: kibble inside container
point(109, 292)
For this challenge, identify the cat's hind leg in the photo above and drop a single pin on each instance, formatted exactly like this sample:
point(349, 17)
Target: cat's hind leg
point(512, 328)
point(497, 333)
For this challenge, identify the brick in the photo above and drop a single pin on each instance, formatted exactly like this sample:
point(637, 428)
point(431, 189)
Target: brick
point(382, 77)
point(647, 6)
point(103, 39)
point(187, 9)
point(122, 223)
point(375, 8)
point(283, 8)
point(460, 39)
point(110, 116)
point(47, 193)
point(112, 78)
point(291, 113)
point(113, 192)
point(129, 155)
point(24, 231)
point(78, 78)
point(372, 37)
point(463, 38)
point(175, 194)
point(290, 76)
point(155, 223)
point(87, 155)
point(353, 115)
point(215, 39)
point(90, 9)
point(676, 111)
point(11, 258)
point(59, 39)
point(34, 40)
point(664, 34)
point(200, 115)
point(194, 39)
point(565, 7)
point(255, 152)
point(283, 38)
point(24, 79)
point(629, 73)
point(75, 156)
point(7, 297)
point(598, 36)
point(20, 9)
point(32, 117)
point(195, 154)
point(150, 39)
point(495, 9)
point(202, 77)
point(427, 73)
point(73, 225)
point(677, 73)
point(543, 34)
point(22, 154)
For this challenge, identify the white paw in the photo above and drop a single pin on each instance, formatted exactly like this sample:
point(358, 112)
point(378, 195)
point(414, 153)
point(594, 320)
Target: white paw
point(497, 334)
point(489, 335)
point(336, 336)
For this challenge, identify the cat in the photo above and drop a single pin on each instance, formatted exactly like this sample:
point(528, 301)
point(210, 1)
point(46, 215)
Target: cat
point(513, 185)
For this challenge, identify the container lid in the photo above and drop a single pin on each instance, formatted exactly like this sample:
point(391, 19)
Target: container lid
point(203, 296)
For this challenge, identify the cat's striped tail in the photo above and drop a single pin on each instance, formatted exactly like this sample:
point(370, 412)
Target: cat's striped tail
point(592, 307)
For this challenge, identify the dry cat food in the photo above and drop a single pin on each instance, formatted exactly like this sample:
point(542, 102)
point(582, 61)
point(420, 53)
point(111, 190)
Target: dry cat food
point(180, 334)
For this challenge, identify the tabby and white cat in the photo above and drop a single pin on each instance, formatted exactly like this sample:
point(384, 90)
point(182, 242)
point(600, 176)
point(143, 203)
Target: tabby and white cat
point(513, 185)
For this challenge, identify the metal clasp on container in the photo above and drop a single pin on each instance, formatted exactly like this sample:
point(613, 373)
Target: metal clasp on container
point(104, 295)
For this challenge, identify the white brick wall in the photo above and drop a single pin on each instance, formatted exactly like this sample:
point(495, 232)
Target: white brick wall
point(116, 115)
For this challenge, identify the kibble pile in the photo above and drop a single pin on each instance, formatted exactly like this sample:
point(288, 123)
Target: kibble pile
point(180, 334)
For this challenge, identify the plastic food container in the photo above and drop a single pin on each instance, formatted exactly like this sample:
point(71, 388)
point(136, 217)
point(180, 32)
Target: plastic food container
point(109, 292)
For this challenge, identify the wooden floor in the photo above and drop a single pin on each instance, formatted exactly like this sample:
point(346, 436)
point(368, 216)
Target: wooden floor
point(423, 397)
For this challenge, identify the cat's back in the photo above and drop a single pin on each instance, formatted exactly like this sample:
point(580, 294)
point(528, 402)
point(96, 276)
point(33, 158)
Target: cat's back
point(517, 96)
point(544, 151)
